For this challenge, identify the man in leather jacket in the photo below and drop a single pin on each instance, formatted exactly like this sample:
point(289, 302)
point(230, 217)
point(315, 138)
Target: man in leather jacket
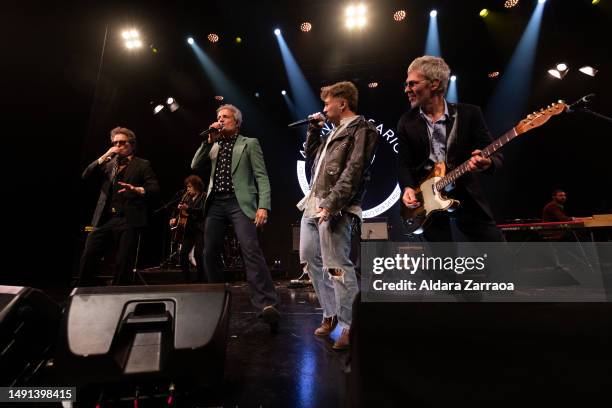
point(340, 170)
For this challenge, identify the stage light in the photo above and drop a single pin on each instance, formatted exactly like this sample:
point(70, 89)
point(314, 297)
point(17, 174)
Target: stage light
point(373, 85)
point(277, 32)
point(306, 26)
point(132, 39)
point(399, 15)
point(541, 1)
point(433, 13)
point(510, 3)
point(126, 35)
point(213, 38)
point(493, 74)
point(219, 98)
point(483, 13)
point(283, 92)
point(238, 40)
point(257, 94)
point(170, 101)
point(157, 109)
point(561, 67)
point(355, 16)
point(595, 2)
point(588, 70)
point(190, 41)
point(453, 78)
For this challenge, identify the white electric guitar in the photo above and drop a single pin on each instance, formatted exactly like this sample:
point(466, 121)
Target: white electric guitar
point(430, 192)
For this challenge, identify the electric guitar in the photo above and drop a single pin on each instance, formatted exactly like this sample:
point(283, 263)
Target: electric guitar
point(430, 192)
point(178, 230)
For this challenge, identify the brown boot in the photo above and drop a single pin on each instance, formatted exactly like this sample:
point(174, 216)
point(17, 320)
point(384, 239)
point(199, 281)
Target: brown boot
point(327, 326)
point(343, 341)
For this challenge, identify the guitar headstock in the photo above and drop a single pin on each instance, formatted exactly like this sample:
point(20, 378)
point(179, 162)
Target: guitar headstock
point(540, 117)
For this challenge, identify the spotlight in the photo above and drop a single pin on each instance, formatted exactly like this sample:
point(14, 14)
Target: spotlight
point(493, 74)
point(399, 15)
point(453, 78)
point(510, 3)
point(561, 66)
point(306, 27)
point(277, 32)
point(433, 13)
point(355, 16)
point(283, 92)
point(126, 35)
point(157, 109)
point(595, 2)
point(541, 1)
point(257, 94)
point(173, 106)
point(219, 98)
point(190, 41)
point(213, 38)
point(170, 101)
point(557, 74)
point(588, 70)
point(483, 13)
point(134, 33)
point(238, 40)
point(373, 85)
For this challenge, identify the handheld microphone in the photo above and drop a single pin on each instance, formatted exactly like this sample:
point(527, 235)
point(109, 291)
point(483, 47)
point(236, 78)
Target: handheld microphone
point(304, 121)
point(580, 103)
point(209, 131)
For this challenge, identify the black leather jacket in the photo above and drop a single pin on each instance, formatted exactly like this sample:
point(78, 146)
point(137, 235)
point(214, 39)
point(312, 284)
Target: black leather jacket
point(346, 165)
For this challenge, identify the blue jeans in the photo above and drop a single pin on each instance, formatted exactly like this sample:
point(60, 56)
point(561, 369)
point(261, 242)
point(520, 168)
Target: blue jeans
point(325, 250)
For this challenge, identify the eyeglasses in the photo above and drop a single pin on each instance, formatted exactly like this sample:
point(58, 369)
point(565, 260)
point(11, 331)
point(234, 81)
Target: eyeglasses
point(119, 142)
point(412, 84)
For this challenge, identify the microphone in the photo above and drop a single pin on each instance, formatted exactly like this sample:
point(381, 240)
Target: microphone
point(304, 121)
point(580, 103)
point(209, 131)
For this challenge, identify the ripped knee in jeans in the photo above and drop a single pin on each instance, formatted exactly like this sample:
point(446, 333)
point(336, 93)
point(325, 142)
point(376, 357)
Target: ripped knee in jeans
point(336, 274)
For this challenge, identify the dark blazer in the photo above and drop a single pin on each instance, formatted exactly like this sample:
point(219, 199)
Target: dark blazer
point(196, 212)
point(471, 133)
point(138, 173)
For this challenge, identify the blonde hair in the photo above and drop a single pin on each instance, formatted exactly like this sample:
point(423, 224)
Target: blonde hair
point(345, 90)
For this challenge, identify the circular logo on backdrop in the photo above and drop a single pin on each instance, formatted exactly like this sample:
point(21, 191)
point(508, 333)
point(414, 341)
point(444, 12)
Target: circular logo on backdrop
point(389, 141)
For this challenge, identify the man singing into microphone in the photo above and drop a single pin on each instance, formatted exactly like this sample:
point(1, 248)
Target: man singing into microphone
point(238, 192)
point(340, 169)
point(128, 183)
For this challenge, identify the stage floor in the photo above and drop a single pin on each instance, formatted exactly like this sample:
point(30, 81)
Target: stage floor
point(290, 368)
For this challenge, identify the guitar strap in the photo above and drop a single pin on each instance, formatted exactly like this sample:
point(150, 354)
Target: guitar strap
point(453, 133)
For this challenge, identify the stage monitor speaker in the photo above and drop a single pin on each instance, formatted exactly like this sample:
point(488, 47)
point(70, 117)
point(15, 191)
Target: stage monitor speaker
point(375, 230)
point(29, 321)
point(143, 334)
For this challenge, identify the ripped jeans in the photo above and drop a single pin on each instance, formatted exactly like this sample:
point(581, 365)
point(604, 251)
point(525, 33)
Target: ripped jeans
point(325, 250)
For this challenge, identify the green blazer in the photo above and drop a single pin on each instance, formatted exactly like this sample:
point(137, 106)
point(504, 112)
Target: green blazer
point(249, 174)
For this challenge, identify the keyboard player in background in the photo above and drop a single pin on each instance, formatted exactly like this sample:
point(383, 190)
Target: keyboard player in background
point(554, 211)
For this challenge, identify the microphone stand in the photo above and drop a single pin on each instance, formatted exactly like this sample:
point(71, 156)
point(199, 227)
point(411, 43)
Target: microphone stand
point(173, 252)
point(596, 114)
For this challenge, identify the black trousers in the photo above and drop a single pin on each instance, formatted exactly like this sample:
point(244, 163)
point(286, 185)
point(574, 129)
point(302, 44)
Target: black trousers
point(224, 209)
point(114, 232)
point(194, 239)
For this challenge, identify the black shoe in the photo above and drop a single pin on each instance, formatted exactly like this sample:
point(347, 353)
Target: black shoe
point(271, 316)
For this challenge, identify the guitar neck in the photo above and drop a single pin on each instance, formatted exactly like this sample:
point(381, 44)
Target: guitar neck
point(460, 170)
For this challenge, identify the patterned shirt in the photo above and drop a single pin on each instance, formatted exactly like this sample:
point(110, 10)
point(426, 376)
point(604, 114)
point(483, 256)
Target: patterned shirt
point(222, 182)
point(437, 135)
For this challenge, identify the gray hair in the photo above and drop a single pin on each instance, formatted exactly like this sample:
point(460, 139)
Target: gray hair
point(235, 110)
point(433, 68)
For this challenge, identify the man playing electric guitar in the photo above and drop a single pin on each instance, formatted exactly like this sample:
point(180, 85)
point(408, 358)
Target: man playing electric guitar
point(436, 134)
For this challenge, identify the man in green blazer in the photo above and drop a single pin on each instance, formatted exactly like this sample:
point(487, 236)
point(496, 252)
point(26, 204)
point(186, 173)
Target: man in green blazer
point(238, 193)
